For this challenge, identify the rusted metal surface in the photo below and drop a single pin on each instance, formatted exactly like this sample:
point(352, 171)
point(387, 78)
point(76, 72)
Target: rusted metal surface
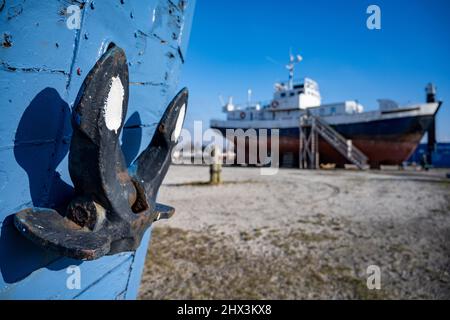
point(113, 207)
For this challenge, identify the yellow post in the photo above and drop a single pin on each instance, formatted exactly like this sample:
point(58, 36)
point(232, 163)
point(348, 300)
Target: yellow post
point(216, 166)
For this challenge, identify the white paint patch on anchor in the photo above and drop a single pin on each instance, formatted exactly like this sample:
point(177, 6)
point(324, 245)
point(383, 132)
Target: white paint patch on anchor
point(113, 105)
point(179, 124)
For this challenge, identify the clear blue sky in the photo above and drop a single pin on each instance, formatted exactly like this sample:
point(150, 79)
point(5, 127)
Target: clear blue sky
point(232, 40)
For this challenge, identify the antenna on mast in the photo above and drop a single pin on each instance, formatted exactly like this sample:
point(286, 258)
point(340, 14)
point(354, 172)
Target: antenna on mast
point(222, 102)
point(292, 62)
point(229, 106)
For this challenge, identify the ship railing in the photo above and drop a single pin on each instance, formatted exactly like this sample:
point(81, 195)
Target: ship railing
point(243, 106)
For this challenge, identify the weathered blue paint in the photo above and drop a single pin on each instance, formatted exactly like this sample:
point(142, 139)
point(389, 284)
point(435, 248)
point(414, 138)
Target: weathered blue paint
point(42, 65)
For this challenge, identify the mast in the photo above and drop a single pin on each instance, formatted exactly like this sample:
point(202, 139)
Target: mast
point(290, 66)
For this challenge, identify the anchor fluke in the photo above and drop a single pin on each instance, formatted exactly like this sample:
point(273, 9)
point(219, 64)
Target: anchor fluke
point(113, 205)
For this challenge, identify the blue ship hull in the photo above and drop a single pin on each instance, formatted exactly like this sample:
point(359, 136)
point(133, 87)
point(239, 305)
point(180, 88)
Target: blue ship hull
point(42, 65)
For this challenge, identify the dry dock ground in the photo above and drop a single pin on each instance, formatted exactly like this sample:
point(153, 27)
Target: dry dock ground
point(301, 235)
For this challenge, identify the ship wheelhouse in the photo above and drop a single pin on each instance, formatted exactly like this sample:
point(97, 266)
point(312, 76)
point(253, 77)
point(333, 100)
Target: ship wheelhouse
point(300, 96)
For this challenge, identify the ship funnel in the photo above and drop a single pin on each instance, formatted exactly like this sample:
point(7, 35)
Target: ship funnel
point(431, 132)
point(431, 92)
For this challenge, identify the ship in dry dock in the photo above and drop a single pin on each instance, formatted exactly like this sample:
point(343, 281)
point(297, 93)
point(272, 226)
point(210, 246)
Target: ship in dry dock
point(386, 136)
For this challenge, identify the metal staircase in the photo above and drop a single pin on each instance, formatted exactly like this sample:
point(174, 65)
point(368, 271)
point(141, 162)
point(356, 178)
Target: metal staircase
point(310, 129)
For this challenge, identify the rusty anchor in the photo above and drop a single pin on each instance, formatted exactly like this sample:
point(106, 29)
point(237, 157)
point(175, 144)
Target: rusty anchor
point(113, 205)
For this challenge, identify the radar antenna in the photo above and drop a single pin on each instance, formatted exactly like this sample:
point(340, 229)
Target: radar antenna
point(292, 62)
point(222, 102)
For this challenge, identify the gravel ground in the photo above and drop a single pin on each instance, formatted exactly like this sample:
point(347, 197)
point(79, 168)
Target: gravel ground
point(301, 235)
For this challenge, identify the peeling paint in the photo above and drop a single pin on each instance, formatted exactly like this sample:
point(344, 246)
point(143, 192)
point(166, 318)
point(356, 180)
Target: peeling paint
point(7, 40)
point(141, 41)
point(182, 5)
point(173, 5)
point(63, 10)
point(180, 53)
point(14, 11)
point(159, 38)
point(5, 66)
point(141, 83)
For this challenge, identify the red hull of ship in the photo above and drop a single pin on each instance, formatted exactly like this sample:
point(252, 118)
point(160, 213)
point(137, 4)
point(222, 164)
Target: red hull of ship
point(380, 151)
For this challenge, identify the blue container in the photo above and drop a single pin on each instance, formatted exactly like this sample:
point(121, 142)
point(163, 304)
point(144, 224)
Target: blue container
point(47, 48)
point(440, 156)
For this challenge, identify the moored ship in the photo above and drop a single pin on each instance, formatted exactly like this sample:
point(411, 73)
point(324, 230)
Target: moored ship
point(387, 136)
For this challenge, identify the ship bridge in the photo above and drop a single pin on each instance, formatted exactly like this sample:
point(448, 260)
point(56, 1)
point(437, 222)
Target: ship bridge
point(302, 95)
